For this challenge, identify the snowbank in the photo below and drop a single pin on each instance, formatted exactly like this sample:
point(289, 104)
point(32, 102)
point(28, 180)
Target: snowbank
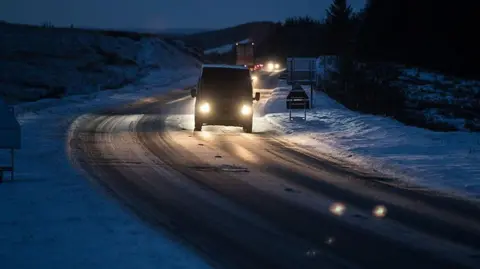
point(37, 63)
point(50, 216)
point(196, 52)
point(443, 160)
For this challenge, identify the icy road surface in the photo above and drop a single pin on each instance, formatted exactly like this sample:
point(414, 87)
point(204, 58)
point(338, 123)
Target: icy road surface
point(259, 201)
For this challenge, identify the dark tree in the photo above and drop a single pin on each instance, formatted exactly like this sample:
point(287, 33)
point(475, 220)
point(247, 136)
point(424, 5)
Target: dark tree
point(299, 37)
point(339, 39)
point(339, 26)
point(431, 34)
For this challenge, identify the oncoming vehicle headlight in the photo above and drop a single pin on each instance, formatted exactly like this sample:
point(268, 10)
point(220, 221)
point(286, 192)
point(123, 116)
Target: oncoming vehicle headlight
point(205, 108)
point(246, 110)
point(270, 66)
point(277, 66)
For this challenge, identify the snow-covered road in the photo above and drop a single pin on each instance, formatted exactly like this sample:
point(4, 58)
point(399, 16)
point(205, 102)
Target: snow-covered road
point(50, 217)
point(258, 201)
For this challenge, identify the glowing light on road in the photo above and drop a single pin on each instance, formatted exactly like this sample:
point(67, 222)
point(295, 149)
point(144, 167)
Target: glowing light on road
point(147, 100)
point(337, 209)
point(277, 66)
point(244, 153)
point(312, 253)
point(205, 135)
point(180, 99)
point(254, 78)
point(330, 240)
point(379, 211)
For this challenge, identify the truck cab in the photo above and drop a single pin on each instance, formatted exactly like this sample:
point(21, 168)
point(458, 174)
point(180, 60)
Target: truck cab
point(224, 96)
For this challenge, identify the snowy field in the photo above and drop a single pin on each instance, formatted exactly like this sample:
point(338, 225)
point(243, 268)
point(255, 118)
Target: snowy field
point(50, 216)
point(448, 161)
point(37, 63)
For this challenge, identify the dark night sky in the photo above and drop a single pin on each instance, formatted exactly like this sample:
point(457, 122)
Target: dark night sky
point(159, 14)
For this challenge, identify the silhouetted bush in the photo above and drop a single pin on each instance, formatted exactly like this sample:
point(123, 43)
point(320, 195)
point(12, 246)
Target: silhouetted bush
point(370, 88)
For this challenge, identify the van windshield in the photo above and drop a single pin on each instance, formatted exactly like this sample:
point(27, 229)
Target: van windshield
point(226, 82)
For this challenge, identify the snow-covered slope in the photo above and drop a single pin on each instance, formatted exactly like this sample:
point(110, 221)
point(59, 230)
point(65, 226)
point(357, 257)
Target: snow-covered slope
point(43, 62)
point(225, 48)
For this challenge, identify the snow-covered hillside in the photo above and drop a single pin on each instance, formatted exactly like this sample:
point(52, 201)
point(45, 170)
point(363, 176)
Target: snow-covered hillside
point(225, 48)
point(37, 63)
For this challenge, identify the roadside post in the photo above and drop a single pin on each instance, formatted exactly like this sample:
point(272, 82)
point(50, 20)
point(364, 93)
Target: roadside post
point(297, 98)
point(10, 137)
point(302, 71)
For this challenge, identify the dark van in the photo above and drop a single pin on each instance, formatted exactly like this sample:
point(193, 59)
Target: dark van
point(224, 96)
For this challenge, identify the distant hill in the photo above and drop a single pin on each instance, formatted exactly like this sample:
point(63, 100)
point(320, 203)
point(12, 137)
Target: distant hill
point(185, 31)
point(255, 31)
point(194, 43)
point(170, 31)
point(44, 62)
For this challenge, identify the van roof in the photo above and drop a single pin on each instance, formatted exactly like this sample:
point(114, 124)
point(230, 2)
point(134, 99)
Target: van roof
point(224, 66)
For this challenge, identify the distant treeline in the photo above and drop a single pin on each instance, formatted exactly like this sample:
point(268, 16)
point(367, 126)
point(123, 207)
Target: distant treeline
point(436, 35)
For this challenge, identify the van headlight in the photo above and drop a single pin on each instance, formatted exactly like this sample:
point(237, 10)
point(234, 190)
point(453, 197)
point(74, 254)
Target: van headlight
point(205, 108)
point(246, 110)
